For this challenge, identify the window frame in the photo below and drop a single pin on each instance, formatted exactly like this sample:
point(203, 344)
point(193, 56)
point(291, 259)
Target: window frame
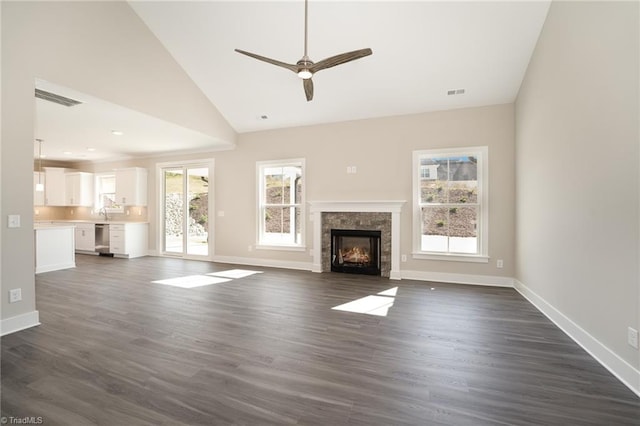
point(98, 193)
point(482, 154)
point(267, 245)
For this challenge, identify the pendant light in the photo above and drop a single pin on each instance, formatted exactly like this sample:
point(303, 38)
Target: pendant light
point(39, 185)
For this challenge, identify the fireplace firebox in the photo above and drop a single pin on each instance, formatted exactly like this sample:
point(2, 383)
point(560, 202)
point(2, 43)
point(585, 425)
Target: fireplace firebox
point(355, 251)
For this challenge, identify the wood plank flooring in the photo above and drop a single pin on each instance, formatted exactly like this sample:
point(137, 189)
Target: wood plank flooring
point(116, 349)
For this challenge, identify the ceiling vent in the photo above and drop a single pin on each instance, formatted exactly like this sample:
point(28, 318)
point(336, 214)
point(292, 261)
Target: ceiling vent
point(52, 97)
point(455, 92)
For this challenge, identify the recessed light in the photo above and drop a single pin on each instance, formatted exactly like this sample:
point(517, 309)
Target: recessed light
point(117, 132)
point(91, 149)
point(67, 152)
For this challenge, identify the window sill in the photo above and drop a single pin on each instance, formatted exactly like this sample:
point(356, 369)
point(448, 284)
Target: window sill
point(278, 247)
point(472, 258)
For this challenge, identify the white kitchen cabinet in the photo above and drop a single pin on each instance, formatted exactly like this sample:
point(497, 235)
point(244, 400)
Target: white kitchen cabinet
point(38, 196)
point(128, 239)
point(55, 186)
point(79, 189)
point(85, 237)
point(131, 186)
point(54, 248)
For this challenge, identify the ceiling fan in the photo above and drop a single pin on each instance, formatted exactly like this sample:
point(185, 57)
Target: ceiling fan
point(305, 67)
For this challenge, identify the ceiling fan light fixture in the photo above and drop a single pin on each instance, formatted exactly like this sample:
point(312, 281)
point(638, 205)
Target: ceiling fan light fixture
point(305, 67)
point(305, 74)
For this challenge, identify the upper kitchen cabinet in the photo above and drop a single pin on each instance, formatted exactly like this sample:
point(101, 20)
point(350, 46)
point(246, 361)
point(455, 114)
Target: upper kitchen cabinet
point(79, 189)
point(131, 186)
point(55, 186)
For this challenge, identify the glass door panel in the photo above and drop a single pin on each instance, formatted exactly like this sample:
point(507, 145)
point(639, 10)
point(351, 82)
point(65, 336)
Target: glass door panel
point(173, 210)
point(198, 220)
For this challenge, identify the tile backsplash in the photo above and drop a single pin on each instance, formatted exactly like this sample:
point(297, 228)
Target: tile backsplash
point(131, 214)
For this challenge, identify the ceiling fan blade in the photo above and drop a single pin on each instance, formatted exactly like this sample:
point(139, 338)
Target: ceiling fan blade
point(290, 67)
point(340, 59)
point(308, 88)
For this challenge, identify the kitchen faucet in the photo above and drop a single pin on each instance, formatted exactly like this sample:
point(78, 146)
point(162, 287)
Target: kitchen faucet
point(104, 212)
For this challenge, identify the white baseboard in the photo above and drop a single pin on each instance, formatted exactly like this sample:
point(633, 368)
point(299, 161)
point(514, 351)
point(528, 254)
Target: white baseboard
point(19, 322)
point(395, 275)
point(270, 263)
point(446, 277)
point(625, 372)
point(57, 267)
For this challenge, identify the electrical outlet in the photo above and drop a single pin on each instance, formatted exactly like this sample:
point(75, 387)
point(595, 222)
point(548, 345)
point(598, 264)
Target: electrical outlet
point(404, 257)
point(13, 221)
point(499, 263)
point(15, 295)
point(632, 337)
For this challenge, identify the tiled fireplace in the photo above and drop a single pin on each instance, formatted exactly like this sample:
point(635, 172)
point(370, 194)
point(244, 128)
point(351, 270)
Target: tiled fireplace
point(370, 216)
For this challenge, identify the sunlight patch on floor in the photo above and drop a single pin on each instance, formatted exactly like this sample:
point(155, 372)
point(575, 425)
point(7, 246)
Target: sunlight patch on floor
point(192, 281)
point(377, 305)
point(391, 292)
point(234, 273)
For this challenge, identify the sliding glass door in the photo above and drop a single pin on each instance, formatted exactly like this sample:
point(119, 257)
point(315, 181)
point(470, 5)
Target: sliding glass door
point(185, 210)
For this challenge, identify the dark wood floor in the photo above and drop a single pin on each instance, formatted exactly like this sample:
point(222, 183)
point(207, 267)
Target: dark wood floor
point(115, 349)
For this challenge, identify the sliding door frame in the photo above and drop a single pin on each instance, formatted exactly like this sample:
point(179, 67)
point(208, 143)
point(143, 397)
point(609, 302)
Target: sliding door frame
point(160, 207)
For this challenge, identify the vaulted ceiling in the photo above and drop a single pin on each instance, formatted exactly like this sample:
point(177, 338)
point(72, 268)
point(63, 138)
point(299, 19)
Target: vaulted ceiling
point(421, 51)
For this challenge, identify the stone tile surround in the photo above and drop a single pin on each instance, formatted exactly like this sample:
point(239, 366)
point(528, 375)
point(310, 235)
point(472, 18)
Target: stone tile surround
point(357, 215)
point(361, 221)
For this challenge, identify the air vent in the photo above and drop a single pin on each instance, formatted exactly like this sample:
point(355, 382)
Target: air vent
point(52, 97)
point(455, 92)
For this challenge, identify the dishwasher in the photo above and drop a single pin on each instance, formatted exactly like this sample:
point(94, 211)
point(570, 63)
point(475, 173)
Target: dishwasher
point(102, 238)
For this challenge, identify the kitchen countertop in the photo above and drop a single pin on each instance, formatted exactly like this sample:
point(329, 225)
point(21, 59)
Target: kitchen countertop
point(47, 225)
point(94, 221)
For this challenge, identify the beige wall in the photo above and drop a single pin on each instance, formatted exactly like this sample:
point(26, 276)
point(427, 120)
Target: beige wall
point(382, 151)
point(99, 48)
point(577, 150)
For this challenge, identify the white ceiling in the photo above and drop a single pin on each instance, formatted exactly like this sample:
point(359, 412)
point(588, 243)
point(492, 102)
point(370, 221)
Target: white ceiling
point(420, 50)
point(84, 132)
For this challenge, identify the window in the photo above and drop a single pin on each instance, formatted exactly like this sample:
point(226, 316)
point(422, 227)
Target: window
point(106, 193)
point(281, 204)
point(450, 204)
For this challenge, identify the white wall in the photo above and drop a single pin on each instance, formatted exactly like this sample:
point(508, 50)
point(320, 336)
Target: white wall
point(382, 151)
point(577, 172)
point(99, 48)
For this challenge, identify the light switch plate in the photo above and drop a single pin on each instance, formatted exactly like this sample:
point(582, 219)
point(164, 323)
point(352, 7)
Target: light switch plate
point(13, 221)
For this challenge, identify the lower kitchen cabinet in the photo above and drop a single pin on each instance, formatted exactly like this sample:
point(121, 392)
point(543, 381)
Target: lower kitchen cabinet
point(85, 237)
point(128, 239)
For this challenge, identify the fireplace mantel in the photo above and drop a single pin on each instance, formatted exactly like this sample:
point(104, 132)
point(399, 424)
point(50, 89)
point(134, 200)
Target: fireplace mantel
point(356, 206)
point(386, 206)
